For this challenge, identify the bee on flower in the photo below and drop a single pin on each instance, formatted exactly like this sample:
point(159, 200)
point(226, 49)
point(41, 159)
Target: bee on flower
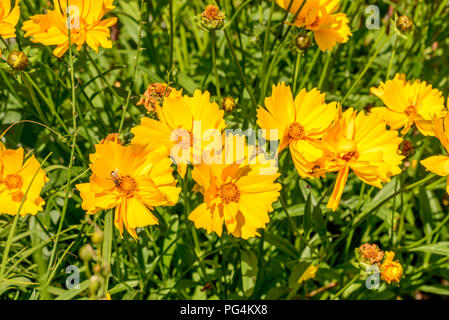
point(363, 144)
point(329, 27)
point(85, 22)
point(9, 17)
point(408, 103)
point(133, 180)
point(20, 182)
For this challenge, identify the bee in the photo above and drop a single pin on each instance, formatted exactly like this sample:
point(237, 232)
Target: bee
point(115, 177)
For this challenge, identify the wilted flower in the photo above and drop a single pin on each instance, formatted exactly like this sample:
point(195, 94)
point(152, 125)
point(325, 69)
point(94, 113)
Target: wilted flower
point(228, 104)
point(370, 253)
point(154, 96)
point(212, 18)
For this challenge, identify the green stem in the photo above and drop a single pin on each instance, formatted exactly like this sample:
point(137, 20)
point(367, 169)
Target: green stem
point(365, 70)
point(107, 248)
point(393, 54)
point(34, 98)
point(346, 287)
point(239, 68)
point(296, 72)
point(136, 65)
point(214, 63)
point(325, 71)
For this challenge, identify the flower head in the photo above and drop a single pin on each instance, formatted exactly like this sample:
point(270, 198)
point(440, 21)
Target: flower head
point(17, 184)
point(391, 271)
point(237, 193)
point(370, 253)
point(133, 180)
point(361, 143)
point(9, 18)
point(212, 18)
point(228, 104)
point(154, 96)
point(85, 24)
point(183, 123)
point(409, 103)
point(320, 17)
point(300, 123)
point(18, 60)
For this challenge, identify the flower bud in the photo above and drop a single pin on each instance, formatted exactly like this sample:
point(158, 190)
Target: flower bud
point(17, 60)
point(86, 253)
point(228, 104)
point(94, 283)
point(211, 19)
point(303, 42)
point(404, 24)
point(97, 268)
point(97, 237)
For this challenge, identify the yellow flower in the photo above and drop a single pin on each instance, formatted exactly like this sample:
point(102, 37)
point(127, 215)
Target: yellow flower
point(318, 16)
point(8, 18)
point(237, 193)
point(391, 271)
point(362, 143)
point(184, 124)
point(310, 273)
point(15, 179)
point(440, 164)
point(409, 103)
point(133, 180)
point(86, 25)
point(300, 123)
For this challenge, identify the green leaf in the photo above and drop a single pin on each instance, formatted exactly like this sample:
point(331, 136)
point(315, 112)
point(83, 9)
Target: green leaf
point(441, 248)
point(249, 271)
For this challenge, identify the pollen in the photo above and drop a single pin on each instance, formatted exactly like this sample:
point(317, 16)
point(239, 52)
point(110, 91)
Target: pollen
point(296, 131)
point(411, 111)
point(229, 192)
point(349, 156)
point(13, 181)
point(127, 186)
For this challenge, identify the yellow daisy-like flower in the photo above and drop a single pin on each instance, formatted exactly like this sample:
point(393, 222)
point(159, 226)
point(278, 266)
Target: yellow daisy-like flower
point(409, 103)
point(238, 193)
point(133, 180)
point(300, 123)
point(391, 271)
point(184, 124)
point(361, 143)
point(320, 17)
point(8, 18)
point(16, 178)
point(85, 23)
point(310, 273)
point(440, 164)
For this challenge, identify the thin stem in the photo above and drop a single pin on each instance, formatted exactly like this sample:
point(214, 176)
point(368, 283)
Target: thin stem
point(214, 63)
point(393, 54)
point(345, 287)
point(136, 65)
point(171, 33)
point(325, 71)
point(296, 72)
point(242, 76)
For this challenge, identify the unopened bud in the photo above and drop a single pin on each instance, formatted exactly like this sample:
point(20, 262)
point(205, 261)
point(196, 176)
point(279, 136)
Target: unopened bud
point(303, 42)
point(404, 24)
point(86, 252)
point(97, 237)
point(228, 104)
point(94, 283)
point(17, 60)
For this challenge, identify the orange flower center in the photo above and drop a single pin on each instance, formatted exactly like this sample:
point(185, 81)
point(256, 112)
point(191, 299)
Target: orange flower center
point(185, 144)
point(211, 12)
point(229, 192)
point(410, 111)
point(296, 131)
point(126, 185)
point(349, 156)
point(13, 181)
